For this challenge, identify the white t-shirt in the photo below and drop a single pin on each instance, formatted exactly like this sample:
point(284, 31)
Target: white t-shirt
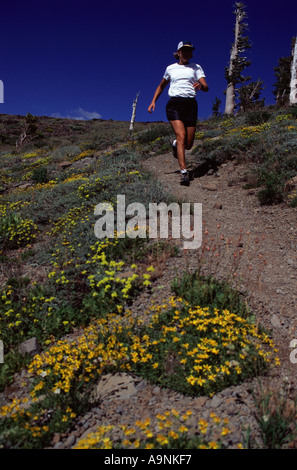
point(182, 78)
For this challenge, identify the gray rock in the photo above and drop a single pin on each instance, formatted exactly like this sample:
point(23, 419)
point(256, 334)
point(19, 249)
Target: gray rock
point(63, 165)
point(88, 431)
point(210, 187)
point(70, 441)
point(30, 346)
point(275, 321)
point(59, 445)
point(216, 402)
point(142, 385)
point(119, 386)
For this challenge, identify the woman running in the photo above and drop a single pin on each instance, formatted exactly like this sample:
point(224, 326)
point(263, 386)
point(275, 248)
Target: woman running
point(182, 110)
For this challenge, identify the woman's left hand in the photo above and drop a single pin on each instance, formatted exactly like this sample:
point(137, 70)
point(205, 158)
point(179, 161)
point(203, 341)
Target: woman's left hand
point(201, 85)
point(197, 86)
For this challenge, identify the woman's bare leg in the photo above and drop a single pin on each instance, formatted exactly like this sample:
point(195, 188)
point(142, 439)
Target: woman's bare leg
point(190, 137)
point(184, 140)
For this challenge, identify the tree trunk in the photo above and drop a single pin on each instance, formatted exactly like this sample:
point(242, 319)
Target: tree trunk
point(20, 142)
point(254, 90)
point(230, 93)
point(1, 92)
point(293, 82)
point(133, 112)
point(230, 99)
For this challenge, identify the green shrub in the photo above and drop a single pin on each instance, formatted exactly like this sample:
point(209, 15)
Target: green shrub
point(254, 118)
point(67, 151)
point(207, 291)
point(276, 417)
point(293, 202)
point(198, 351)
point(273, 191)
point(16, 232)
point(152, 133)
point(40, 175)
point(293, 112)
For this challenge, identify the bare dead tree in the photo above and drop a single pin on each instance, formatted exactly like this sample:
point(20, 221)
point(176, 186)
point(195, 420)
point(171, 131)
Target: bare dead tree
point(1, 92)
point(21, 140)
point(293, 81)
point(134, 112)
point(255, 89)
point(237, 63)
point(29, 130)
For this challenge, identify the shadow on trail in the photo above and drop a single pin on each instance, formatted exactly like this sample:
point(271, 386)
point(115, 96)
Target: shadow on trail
point(198, 170)
point(203, 168)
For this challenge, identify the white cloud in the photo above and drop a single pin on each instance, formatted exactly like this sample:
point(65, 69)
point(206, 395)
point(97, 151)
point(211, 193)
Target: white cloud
point(79, 114)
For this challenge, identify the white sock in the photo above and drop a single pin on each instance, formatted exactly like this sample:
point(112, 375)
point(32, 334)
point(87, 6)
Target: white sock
point(184, 171)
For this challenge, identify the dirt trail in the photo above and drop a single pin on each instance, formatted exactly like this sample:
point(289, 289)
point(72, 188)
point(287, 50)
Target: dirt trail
point(267, 245)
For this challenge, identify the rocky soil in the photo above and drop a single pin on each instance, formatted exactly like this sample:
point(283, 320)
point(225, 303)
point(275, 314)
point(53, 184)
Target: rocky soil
point(264, 241)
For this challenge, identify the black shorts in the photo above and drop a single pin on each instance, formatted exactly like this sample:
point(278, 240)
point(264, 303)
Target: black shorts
point(182, 109)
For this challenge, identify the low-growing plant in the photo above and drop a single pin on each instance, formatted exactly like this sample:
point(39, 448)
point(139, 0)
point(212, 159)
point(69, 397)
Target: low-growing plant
point(152, 133)
point(276, 415)
point(293, 202)
point(66, 151)
point(254, 118)
point(273, 191)
point(16, 231)
point(198, 351)
point(189, 349)
point(207, 291)
point(40, 175)
point(293, 112)
point(171, 431)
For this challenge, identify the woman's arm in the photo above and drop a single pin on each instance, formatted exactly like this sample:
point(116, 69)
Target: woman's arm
point(201, 85)
point(158, 92)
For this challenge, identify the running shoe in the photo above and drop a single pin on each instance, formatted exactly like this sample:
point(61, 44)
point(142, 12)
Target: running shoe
point(185, 179)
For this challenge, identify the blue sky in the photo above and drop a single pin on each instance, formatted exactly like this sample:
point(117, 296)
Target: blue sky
point(88, 58)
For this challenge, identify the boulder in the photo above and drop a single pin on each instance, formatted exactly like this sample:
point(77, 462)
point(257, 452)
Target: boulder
point(114, 386)
point(30, 346)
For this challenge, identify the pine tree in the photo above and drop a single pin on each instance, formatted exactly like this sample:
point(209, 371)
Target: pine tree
point(249, 96)
point(216, 107)
point(237, 62)
point(282, 73)
point(282, 85)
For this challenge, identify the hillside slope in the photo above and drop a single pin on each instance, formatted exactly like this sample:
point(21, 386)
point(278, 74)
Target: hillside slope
point(250, 244)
